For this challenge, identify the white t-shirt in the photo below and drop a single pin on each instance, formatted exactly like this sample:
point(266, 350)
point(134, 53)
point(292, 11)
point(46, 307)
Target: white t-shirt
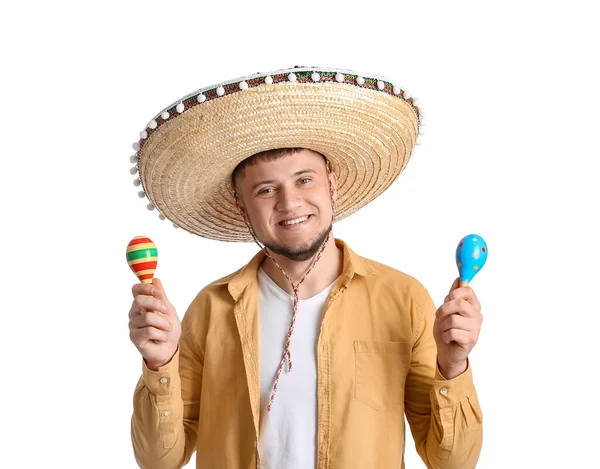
point(288, 433)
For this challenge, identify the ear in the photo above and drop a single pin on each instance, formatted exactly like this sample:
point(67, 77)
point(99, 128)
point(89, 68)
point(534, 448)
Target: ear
point(334, 181)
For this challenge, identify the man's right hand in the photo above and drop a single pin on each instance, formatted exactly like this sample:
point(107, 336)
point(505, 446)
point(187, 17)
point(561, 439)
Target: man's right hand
point(154, 327)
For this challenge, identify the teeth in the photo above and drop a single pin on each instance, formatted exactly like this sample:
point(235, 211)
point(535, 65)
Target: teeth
point(295, 222)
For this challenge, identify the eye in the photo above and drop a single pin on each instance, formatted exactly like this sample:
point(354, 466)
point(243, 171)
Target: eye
point(266, 190)
point(305, 180)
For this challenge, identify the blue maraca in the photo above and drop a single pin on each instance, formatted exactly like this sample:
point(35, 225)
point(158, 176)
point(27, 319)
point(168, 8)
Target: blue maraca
point(471, 255)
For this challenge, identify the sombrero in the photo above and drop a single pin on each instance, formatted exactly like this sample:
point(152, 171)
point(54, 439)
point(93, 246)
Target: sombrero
point(366, 126)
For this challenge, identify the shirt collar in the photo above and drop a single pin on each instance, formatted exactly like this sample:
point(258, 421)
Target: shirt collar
point(238, 281)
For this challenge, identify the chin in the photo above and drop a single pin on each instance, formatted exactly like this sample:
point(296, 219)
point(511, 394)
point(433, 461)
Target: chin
point(301, 250)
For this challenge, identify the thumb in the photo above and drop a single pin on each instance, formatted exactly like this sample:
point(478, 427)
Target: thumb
point(455, 285)
point(160, 291)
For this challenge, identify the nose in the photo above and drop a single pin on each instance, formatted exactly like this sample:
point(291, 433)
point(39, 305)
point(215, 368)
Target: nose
point(288, 198)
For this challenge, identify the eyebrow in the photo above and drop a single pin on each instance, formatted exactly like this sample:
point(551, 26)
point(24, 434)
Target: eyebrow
point(271, 181)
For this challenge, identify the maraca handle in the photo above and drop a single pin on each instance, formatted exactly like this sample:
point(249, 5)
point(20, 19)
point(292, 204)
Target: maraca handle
point(464, 283)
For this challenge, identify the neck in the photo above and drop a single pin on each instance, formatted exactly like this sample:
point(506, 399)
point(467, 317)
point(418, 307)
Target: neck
point(323, 274)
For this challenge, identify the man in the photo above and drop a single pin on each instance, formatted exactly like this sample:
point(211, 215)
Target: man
point(310, 355)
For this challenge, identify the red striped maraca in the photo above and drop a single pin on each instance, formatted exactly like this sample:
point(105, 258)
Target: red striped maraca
point(142, 258)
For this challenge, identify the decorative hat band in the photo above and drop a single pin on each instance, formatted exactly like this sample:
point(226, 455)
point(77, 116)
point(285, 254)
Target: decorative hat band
point(396, 136)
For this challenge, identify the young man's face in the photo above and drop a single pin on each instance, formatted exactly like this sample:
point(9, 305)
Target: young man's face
point(290, 189)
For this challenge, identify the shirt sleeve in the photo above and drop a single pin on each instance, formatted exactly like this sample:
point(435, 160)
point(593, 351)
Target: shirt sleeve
point(166, 407)
point(444, 415)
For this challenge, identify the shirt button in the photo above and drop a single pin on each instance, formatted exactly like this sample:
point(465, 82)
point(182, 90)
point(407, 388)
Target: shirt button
point(167, 413)
point(163, 380)
point(250, 355)
point(443, 391)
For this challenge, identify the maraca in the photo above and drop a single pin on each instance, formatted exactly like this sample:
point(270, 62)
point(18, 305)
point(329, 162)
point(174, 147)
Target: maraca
point(142, 258)
point(471, 255)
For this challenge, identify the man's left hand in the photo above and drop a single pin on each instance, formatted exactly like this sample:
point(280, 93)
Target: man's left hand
point(456, 329)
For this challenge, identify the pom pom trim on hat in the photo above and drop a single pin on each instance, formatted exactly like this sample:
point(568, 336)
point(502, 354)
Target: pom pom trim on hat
point(302, 75)
point(297, 75)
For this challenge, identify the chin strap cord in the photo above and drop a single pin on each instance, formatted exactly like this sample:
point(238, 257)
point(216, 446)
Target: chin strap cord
point(287, 354)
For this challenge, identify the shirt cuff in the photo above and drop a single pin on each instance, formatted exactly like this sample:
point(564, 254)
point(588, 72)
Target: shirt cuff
point(159, 382)
point(448, 392)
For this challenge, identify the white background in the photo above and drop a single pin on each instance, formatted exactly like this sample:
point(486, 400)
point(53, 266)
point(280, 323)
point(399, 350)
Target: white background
point(511, 91)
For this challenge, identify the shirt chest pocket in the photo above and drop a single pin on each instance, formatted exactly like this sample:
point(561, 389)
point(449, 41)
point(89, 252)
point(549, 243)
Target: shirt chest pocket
point(380, 370)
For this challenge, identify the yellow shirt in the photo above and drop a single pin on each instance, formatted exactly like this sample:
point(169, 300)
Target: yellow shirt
point(376, 361)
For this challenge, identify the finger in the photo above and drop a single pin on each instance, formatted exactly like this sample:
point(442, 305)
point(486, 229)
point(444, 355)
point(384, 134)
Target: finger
point(145, 334)
point(135, 309)
point(466, 293)
point(455, 321)
point(151, 319)
point(149, 303)
point(142, 289)
point(465, 339)
point(458, 306)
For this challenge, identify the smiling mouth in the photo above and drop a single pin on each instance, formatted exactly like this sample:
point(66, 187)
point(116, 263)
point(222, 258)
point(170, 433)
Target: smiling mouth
point(295, 221)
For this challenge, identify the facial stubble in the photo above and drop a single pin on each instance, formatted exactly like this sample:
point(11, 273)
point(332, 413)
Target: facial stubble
point(300, 253)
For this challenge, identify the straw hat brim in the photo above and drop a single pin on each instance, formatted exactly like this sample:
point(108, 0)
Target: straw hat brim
point(185, 163)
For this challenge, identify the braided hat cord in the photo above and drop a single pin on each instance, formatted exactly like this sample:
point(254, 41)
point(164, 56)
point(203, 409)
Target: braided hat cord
point(287, 354)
